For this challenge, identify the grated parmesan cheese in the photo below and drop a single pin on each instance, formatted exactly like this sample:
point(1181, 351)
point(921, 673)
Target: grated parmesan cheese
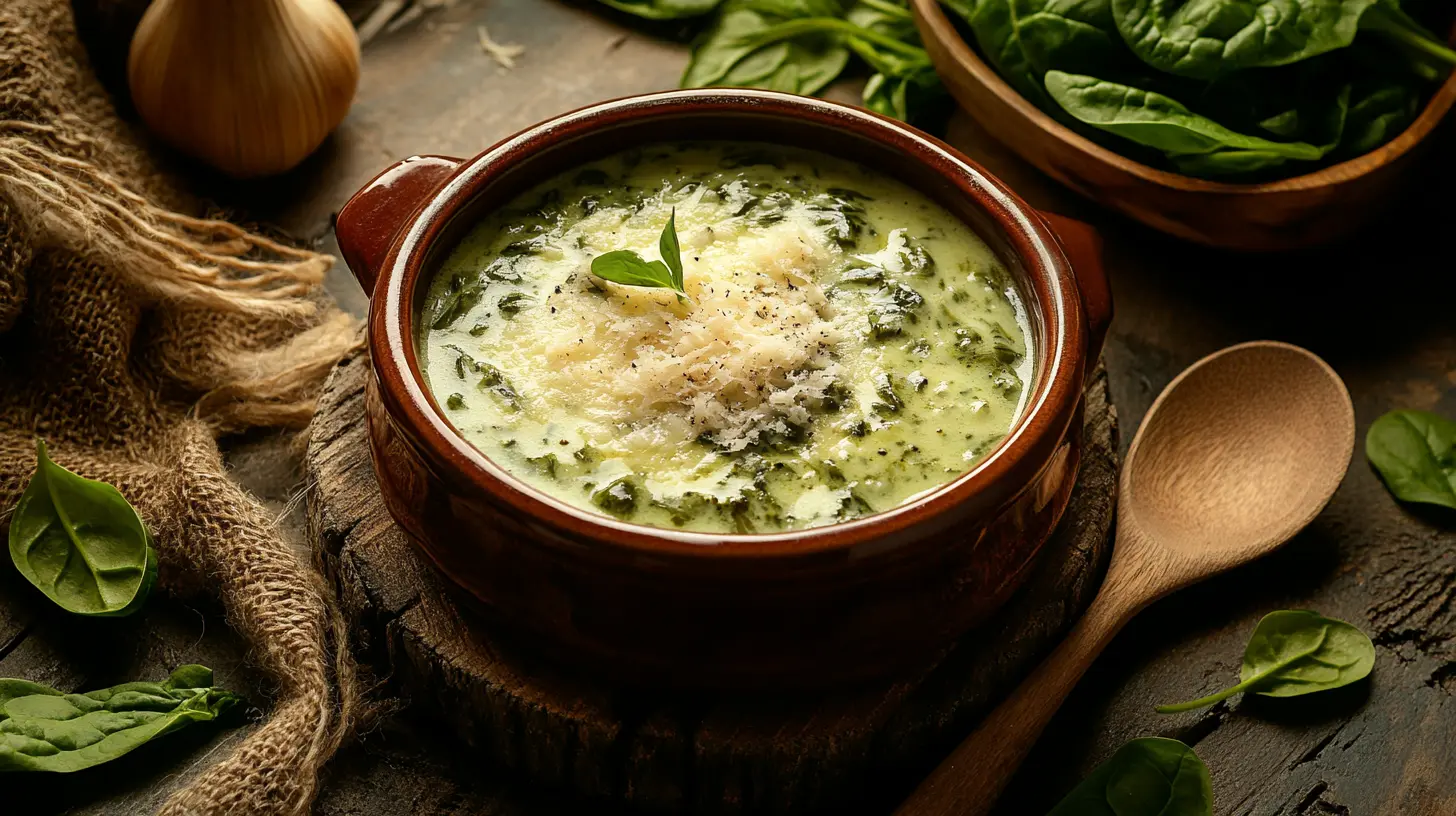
point(791, 389)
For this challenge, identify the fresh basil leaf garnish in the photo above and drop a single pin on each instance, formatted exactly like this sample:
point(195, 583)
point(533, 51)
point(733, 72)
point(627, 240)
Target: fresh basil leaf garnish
point(81, 543)
point(671, 253)
point(629, 269)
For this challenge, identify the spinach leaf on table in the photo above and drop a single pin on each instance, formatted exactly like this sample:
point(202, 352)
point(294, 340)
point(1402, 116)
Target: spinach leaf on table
point(81, 543)
point(1294, 652)
point(664, 9)
point(1204, 39)
point(1150, 776)
point(1192, 141)
point(741, 49)
point(42, 729)
point(1415, 452)
point(905, 82)
point(901, 96)
point(800, 46)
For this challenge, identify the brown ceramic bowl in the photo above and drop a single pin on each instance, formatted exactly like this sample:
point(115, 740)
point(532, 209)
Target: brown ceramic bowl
point(671, 608)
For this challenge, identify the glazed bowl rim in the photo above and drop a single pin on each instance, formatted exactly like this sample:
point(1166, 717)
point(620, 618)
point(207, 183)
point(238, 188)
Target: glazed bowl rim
point(1058, 372)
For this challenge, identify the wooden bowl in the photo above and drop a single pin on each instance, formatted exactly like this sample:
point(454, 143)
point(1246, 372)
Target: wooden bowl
point(1276, 215)
point(671, 608)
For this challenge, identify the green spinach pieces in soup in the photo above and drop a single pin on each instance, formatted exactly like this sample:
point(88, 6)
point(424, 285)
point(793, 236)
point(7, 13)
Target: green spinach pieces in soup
point(727, 338)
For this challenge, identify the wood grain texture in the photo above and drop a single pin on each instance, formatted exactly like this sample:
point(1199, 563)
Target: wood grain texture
point(1296, 212)
point(1376, 305)
point(701, 754)
point(1226, 467)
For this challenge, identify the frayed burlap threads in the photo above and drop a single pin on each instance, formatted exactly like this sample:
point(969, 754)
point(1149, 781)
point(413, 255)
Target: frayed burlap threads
point(131, 335)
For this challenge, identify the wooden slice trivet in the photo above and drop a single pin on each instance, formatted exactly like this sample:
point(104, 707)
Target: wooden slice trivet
point(848, 751)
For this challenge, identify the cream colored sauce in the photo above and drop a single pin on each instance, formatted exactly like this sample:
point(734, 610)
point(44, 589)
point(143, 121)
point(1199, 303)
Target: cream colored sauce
point(848, 344)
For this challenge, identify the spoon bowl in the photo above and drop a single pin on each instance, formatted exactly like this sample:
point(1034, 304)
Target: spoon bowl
point(1238, 454)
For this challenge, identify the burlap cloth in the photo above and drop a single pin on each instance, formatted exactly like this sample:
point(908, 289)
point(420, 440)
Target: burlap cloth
point(131, 338)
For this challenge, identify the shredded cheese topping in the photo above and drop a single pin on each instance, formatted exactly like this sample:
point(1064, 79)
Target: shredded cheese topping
point(749, 355)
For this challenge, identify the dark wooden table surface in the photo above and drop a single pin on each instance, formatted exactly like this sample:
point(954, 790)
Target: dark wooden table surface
point(1380, 307)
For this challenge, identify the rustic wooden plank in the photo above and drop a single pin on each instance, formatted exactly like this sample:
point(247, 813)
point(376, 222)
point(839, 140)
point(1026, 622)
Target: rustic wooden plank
point(706, 754)
point(1377, 307)
point(1389, 569)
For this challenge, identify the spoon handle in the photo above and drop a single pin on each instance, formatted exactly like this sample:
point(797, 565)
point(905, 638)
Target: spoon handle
point(968, 781)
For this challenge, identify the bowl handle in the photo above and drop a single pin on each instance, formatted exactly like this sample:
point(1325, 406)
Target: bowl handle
point(1083, 247)
point(368, 223)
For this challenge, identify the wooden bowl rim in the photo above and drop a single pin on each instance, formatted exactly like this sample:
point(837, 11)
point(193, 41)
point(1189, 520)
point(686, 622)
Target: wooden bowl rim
point(945, 32)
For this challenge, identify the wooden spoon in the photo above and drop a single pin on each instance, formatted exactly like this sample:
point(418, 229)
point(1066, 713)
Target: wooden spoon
point(1238, 454)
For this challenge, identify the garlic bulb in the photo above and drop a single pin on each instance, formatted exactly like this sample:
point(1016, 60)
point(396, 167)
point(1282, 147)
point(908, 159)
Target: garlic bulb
point(251, 87)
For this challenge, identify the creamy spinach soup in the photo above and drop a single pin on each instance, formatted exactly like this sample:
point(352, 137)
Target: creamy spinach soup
point(842, 344)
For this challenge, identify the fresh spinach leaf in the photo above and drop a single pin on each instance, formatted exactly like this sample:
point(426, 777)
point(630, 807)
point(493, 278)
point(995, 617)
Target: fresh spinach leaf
point(1294, 652)
point(1150, 776)
point(901, 87)
point(806, 26)
point(1324, 124)
point(1425, 55)
point(1415, 452)
point(1192, 141)
point(1284, 124)
point(886, 96)
point(1379, 111)
point(890, 17)
point(79, 542)
point(905, 82)
point(1023, 39)
point(999, 39)
point(626, 267)
point(1203, 39)
point(800, 46)
point(734, 51)
point(720, 47)
point(664, 9)
point(42, 729)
